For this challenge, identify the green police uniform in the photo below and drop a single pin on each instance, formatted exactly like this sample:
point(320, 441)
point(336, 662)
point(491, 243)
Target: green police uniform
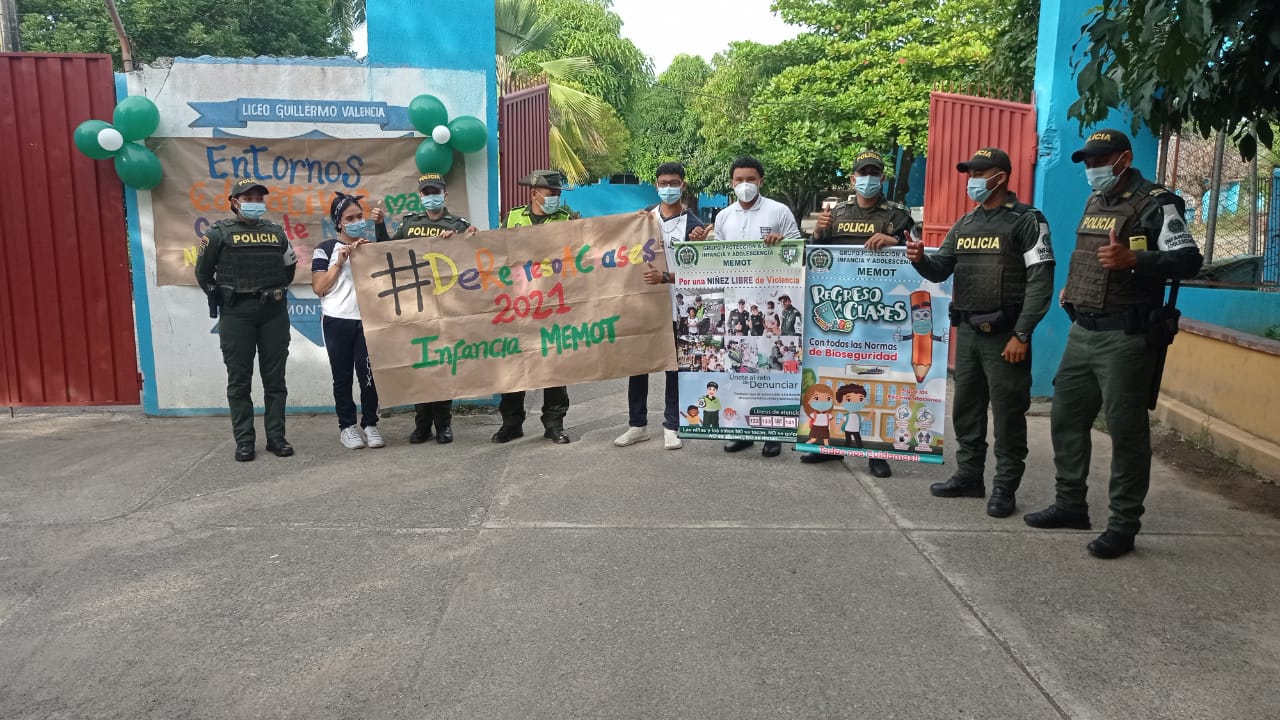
point(1003, 266)
point(414, 225)
point(1107, 364)
point(555, 400)
point(250, 266)
point(852, 224)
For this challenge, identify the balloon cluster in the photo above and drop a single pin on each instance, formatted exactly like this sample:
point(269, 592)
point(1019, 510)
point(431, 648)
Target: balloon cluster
point(135, 118)
point(465, 134)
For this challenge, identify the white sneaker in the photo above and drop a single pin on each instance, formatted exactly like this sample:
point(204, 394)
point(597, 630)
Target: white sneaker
point(373, 437)
point(632, 436)
point(351, 438)
point(670, 440)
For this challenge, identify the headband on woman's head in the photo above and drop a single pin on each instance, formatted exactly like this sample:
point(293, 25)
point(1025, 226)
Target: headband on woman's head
point(341, 201)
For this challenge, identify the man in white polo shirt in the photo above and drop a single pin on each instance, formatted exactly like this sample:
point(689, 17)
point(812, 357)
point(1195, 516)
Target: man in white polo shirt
point(754, 217)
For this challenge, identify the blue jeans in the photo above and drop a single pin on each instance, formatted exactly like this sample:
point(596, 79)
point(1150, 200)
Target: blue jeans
point(638, 401)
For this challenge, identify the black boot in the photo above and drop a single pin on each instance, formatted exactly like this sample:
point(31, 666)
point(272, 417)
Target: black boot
point(771, 449)
point(279, 447)
point(810, 458)
point(245, 451)
point(1111, 544)
point(959, 486)
point(737, 445)
point(1054, 517)
point(507, 433)
point(879, 468)
point(444, 435)
point(1002, 502)
point(420, 435)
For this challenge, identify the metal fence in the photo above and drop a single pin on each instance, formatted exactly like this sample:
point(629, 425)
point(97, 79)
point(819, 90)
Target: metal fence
point(1233, 208)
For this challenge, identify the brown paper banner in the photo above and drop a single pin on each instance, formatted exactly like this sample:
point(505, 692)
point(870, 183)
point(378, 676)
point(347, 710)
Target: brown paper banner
point(517, 309)
point(301, 175)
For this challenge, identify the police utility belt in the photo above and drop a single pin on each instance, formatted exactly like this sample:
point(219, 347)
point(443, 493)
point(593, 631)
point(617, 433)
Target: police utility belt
point(1158, 324)
point(987, 322)
point(270, 295)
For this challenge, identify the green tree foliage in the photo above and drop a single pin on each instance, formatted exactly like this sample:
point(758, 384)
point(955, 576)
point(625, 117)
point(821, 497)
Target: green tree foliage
point(185, 28)
point(608, 157)
point(590, 28)
point(1211, 64)
point(1012, 62)
point(665, 127)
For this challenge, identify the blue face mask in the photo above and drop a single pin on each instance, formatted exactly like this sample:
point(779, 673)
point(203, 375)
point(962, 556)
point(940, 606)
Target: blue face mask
point(978, 190)
point(253, 210)
point(821, 405)
point(669, 195)
point(922, 327)
point(852, 406)
point(868, 186)
point(550, 204)
point(355, 228)
point(434, 201)
point(1103, 178)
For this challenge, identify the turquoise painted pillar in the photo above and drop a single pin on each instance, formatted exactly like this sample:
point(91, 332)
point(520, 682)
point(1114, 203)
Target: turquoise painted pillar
point(407, 33)
point(1060, 187)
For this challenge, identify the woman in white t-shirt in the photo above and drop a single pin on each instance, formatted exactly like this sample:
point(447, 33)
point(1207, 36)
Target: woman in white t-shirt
point(343, 332)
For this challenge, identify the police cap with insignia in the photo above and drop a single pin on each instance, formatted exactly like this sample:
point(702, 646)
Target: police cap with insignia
point(868, 158)
point(1101, 144)
point(984, 158)
point(433, 180)
point(549, 179)
point(245, 185)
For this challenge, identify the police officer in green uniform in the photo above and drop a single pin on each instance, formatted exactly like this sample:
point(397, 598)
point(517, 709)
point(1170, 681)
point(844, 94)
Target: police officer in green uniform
point(1003, 265)
point(434, 221)
point(872, 221)
point(246, 264)
point(544, 206)
point(1133, 237)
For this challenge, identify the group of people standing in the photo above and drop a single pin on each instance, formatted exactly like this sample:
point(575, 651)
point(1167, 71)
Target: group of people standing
point(1131, 239)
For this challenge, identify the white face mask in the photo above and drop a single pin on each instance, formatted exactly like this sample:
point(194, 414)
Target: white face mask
point(746, 191)
point(1103, 178)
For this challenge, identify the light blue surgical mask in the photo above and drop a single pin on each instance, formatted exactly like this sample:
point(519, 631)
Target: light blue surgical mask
point(1103, 178)
point(669, 195)
point(550, 204)
point(434, 201)
point(253, 210)
point(868, 186)
point(922, 327)
point(853, 406)
point(355, 228)
point(978, 190)
point(821, 405)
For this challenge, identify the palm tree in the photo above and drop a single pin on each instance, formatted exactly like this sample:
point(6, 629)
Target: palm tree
point(574, 113)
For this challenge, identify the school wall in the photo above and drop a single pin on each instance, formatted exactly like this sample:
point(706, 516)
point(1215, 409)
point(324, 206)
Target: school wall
point(179, 355)
point(1216, 381)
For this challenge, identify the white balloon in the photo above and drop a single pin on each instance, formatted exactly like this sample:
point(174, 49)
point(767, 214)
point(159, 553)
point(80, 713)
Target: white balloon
point(441, 134)
point(110, 139)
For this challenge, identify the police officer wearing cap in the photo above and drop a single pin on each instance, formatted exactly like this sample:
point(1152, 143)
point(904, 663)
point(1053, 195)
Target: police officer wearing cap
point(872, 221)
point(544, 206)
point(1003, 265)
point(437, 222)
point(246, 264)
point(1132, 238)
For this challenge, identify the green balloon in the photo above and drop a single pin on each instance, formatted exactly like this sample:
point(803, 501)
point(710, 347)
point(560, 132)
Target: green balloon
point(426, 112)
point(434, 157)
point(138, 167)
point(86, 139)
point(136, 117)
point(467, 134)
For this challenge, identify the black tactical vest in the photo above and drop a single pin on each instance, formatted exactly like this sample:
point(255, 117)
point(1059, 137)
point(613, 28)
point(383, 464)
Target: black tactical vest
point(853, 225)
point(421, 225)
point(1089, 284)
point(252, 256)
point(990, 272)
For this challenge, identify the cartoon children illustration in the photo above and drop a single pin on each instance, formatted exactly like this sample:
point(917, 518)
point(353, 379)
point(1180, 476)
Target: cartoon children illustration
point(817, 402)
point(710, 405)
point(853, 400)
point(691, 416)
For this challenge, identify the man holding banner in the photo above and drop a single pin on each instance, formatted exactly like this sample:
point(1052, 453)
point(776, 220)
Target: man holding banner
point(873, 222)
point(544, 206)
point(678, 225)
point(755, 217)
point(1003, 265)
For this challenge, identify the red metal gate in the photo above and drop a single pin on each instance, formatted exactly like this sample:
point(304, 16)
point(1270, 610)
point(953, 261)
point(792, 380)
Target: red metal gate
point(524, 127)
point(958, 125)
point(66, 317)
